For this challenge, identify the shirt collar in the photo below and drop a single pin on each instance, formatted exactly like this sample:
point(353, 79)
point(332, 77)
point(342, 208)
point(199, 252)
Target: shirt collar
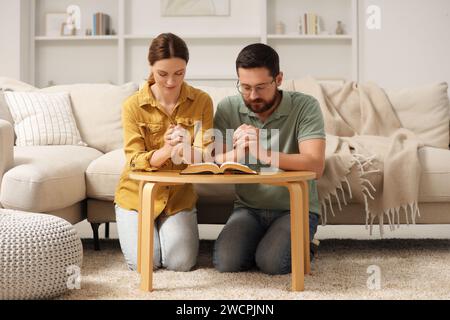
point(146, 97)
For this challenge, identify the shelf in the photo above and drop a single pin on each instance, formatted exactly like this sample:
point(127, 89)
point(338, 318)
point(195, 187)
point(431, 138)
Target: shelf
point(137, 24)
point(308, 37)
point(143, 37)
point(72, 38)
point(196, 36)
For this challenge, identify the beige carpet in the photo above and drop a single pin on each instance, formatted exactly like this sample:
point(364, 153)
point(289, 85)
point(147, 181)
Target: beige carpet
point(410, 269)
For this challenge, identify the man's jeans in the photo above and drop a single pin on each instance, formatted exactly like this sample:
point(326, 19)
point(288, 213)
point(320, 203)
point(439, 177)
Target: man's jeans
point(257, 236)
point(175, 239)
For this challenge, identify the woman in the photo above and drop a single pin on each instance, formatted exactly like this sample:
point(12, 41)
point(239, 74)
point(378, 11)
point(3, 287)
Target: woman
point(158, 122)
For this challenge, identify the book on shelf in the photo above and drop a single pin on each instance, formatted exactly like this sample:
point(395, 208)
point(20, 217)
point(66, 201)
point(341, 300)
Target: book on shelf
point(213, 168)
point(310, 24)
point(101, 24)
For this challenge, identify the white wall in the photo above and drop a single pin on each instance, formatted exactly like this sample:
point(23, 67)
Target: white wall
point(10, 38)
point(14, 39)
point(203, 55)
point(140, 21)
point(411, 48)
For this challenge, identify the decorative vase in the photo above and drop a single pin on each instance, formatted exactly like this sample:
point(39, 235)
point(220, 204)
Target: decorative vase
point(279, 28)
point(339, 28)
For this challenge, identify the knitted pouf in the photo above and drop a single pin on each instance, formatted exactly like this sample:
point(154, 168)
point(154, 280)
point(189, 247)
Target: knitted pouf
point(38, 255)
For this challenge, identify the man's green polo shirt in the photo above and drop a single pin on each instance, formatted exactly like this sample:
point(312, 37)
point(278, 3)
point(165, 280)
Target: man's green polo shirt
point(298, 118)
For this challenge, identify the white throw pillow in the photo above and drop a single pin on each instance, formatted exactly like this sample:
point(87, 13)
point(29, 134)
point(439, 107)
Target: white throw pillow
point(425, 111)
point(43, 119)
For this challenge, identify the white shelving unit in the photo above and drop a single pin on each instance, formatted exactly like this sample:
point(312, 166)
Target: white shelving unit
point(214, 42)
point(309, 37)
point(72, 38)
point(197, 36)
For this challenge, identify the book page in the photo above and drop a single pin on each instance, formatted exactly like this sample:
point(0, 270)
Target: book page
point(203, 164)
point(231, 162)
point(201, 168)
point(236, 166)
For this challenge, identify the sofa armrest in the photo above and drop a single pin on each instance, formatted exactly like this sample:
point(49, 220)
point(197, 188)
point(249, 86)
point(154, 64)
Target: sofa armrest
point(6, 147)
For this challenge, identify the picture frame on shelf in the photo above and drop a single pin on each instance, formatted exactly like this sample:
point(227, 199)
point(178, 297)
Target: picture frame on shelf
point(176, 8)
point(67, 30)
point(54, 22)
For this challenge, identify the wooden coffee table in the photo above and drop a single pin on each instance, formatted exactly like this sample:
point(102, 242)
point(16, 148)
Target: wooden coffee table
point(295, 181)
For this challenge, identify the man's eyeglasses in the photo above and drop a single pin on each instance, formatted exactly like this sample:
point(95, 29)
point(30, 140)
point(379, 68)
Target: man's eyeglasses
point(246, 90)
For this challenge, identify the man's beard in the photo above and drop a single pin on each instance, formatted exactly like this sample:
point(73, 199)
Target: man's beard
point(266, 105)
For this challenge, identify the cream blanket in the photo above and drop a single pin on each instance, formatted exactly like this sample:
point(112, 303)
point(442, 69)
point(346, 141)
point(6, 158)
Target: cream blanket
point(368, 153)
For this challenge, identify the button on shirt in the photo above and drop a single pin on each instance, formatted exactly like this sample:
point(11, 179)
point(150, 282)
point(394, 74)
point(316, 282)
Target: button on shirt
point(144, 123)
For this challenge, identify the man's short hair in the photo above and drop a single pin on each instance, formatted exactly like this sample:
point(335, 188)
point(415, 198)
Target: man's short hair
point(259, 55)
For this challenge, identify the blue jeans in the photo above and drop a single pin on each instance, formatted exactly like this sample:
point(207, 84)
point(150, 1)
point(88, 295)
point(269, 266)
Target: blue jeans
point(257, 237)
point(175, 239)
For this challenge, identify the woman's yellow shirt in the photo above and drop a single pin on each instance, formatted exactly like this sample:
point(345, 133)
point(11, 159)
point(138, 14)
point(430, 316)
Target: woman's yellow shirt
point(144, 124)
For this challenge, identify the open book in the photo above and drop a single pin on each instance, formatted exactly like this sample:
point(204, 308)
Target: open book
point(211, 167)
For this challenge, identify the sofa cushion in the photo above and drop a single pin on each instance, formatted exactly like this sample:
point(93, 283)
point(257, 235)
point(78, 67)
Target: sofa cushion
point(434, 185)
point(5, 114)
point(43, 118)
point(435, 180)
point(218, 93)
point(9, 84)
point(46, 178)
point(15, 85)
point(425, 111)
point(103, 174)
point(98, 111)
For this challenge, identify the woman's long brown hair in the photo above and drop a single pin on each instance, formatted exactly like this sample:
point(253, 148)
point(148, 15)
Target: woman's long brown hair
point(166, 46)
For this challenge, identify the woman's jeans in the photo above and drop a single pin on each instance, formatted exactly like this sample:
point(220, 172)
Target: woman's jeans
point(257, 236)
point(175, 242)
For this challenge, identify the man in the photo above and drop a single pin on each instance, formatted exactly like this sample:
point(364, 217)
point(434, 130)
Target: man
point(258, 231)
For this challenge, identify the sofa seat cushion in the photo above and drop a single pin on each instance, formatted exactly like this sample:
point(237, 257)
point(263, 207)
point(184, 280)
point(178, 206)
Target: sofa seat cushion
point(435, 179)
point(46, 178)
point(103, 174)
point(434, 183)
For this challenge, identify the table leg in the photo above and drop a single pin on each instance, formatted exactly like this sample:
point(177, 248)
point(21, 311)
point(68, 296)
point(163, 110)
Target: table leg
point(147, 225)
point(141, 186)
point(297, 238)
point(305, 198)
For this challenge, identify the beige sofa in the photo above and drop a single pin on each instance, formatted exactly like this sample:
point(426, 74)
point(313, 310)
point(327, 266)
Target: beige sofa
point(76, 183)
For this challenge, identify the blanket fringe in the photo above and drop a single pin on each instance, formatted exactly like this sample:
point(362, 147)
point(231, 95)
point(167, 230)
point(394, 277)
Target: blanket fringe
point(411, 210)
point(327, 204)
